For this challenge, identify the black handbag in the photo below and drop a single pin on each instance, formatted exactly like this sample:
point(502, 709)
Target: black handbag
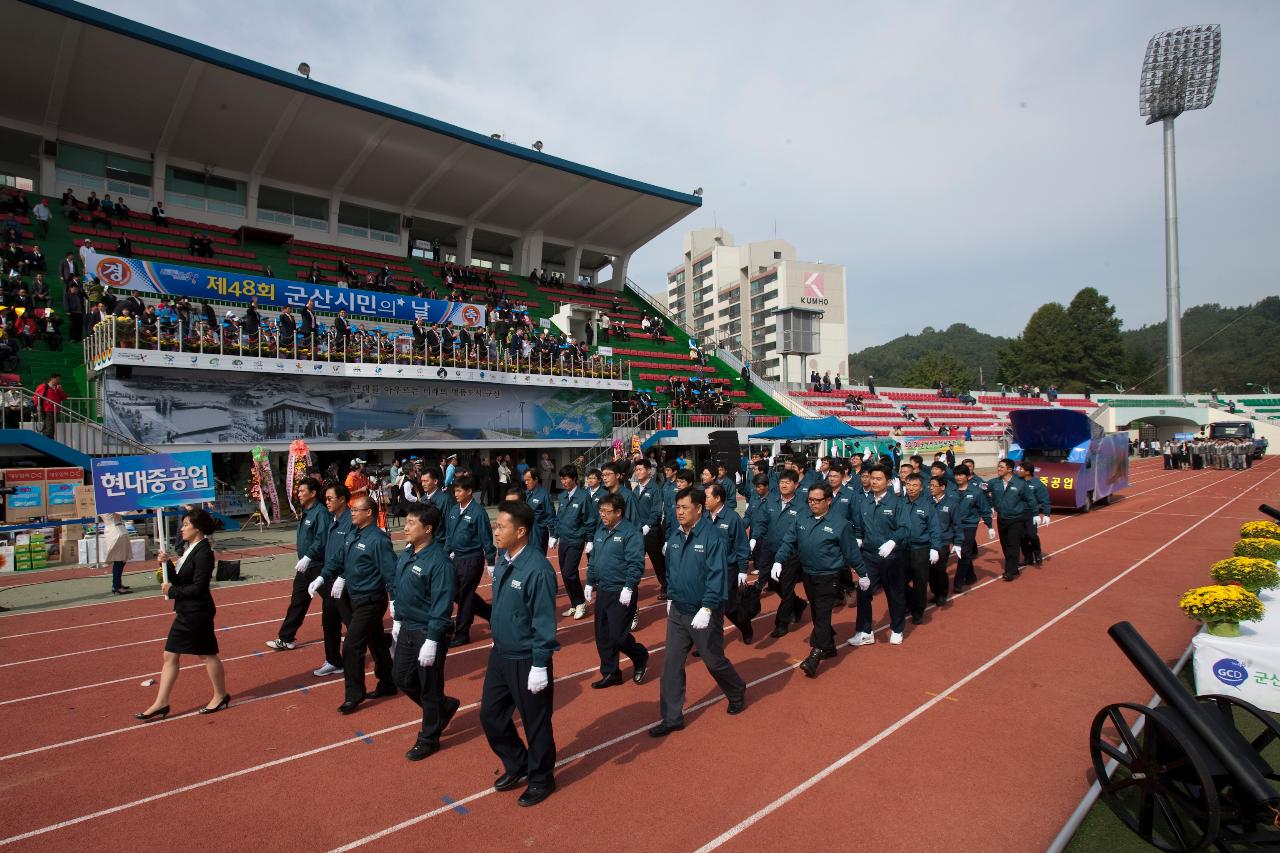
point(227, 570)
point(747, 607)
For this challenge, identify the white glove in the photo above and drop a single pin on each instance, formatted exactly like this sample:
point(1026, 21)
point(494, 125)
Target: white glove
point(552, 542)
point(742, 578)
point(887, 548)
point(302, 564)
point(644, 529)
point(991, 533)
point(776, 571)
point(1035, 521)
point(314, 587)
point(624, 597)
point(451, 554)
point(395, 630)
point(1044, 521)
point(590, 545)
point(859, 541)
point(391, 605)
point(955, 549)
point(537, 679)
point(701, 619)
point(338, 586)
point(668, 607)
point(489, 568)
point(587, 592)
point(664, 549)
point(753, 545)
point(864, 583)
point(933, 556)
point(427, 655)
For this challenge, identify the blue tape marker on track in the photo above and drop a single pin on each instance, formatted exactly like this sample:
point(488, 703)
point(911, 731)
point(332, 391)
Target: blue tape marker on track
point(303, 689)
point(448, 801)
point(364, 737)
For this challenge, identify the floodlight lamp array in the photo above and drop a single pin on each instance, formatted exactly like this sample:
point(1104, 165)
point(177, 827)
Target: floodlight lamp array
point(1180, 71)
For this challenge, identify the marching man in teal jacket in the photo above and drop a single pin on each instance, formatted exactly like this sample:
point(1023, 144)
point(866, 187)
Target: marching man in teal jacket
point(614, 568)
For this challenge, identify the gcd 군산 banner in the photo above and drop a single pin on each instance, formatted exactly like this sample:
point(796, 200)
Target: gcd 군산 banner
point(155, 277)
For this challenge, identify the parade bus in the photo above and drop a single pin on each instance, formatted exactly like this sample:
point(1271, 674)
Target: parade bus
point(1079, 463)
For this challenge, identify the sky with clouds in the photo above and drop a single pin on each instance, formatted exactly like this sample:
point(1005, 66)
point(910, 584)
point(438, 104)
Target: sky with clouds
point(967, 161)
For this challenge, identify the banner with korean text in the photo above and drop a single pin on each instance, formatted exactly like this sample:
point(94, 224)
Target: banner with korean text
point(127, 483)
point(174, 280)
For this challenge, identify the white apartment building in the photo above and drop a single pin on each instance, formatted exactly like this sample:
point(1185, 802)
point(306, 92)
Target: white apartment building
point(728, 295)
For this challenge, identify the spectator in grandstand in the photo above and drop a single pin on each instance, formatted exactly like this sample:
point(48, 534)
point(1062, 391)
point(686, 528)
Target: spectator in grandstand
point(158, 215)
point(73, 304)
point(124, 246)
point(308, 315)
point(121, 209)
point(93, 203)
point(40, 292)
point(85, 248)
point(25, 329)
point(871, 385)
point(40, 213)
point(289, 335)
point(67, 268)
point(108, 207)
point(70, 205)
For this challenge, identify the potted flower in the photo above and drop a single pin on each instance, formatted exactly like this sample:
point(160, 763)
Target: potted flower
point(1265, 549)
point(1260, 530)
point(1221, 608)
point(1252, 573)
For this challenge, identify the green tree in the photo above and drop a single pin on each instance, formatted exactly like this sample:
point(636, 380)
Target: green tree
point(933, 368)
point(1043, 353)
point(1099, 352)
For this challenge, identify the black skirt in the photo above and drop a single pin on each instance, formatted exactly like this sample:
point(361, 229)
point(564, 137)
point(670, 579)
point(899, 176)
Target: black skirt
point(192, 634)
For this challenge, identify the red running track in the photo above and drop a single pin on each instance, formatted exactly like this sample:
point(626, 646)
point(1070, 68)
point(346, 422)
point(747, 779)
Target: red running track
point(974, 728)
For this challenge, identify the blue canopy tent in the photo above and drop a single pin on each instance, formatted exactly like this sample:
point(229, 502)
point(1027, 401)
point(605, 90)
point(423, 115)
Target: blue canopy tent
point(796, 428)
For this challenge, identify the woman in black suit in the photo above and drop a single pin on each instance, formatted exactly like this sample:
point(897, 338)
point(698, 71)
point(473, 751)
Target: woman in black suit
point(192, 631)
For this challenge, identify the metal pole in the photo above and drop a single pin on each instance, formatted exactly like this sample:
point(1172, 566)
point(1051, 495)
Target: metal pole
point(1172, 284)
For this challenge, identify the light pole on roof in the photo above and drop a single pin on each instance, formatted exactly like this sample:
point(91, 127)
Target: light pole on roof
point(1179, 73)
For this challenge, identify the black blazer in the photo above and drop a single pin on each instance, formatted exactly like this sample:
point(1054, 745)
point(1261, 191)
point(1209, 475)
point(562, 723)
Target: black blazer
point(190, 587)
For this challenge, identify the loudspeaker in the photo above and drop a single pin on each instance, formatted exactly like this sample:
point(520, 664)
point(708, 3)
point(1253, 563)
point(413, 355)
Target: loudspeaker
point(124, 371)
point(50, 148)
point(725, 448)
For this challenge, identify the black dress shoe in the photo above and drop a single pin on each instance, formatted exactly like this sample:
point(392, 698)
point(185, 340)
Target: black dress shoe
point(507, 781)
point(349, 707)
point(121, 590)
point(459, 640)
point(780, 630)
point(662, 595)
point(1009, 576)
point(421, 750)
point(221, 706)
point(1039, 559)
point(385, 690)
point(809, 666)
point(916, 617)
point(939, 600)
point(738, 707)
point(608, 681)
point(535, 794)
point(451, 707)
point(640, 669)
point(664, 729)
point(748, 635)
point(158, 712)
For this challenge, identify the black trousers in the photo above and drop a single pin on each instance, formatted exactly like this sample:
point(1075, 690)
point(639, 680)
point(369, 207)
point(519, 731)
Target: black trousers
point(423, 684)
point(77, 326)
point(1030, 542)
point(886, 575)
point(791, 603)
point(299, 604)
point(468, 570)
point(653, 542)
point(709, 641)
point(543, 538)
point(570, 560)
point(964, 566)
point(506, 690)
point(824, 592)
point(939, 585)
point(365, 631)
point(334, 614)
point(915, 571)
point(1012, 531)
point(613, 631)
point(763, 561)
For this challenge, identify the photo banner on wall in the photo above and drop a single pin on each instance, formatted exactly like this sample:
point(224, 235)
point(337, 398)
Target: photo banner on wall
point(173, 280)
point(156, 406)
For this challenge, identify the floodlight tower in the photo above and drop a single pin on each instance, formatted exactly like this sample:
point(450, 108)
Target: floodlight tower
point(1179, 73)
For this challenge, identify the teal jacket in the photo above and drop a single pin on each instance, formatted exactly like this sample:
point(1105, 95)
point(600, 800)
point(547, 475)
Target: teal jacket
point(426, 585)
point(1041, 493)
point(846, 500)
point(824, 545)
point(781, 520)
point(313, 532)
point(696, 568)
point(631, 512)
point(524, 607)
point(948, 510)
point(1013, 500)
point(733, 533)
point(648, 503)
point(876, 524)
point(617, 557)
point(922, 523)
point(370, 562)
point(335, 546)
point(575, 521)
point(730, 486)
point(972, 506)
point(543, 519)
point(757, 517)
point(669, 503)
point(467, 532)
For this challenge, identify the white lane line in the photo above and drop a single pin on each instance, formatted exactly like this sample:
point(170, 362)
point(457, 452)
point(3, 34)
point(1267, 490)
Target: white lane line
point(166, 612)
point(885, 733)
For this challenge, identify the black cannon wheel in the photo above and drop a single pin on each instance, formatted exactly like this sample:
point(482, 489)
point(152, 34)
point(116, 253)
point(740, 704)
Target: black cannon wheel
point(1228, 705)
point(1160, 786)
